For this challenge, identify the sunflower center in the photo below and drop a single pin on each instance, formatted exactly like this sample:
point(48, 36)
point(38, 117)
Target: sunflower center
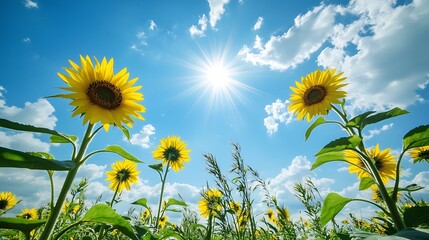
point(3, 204)
point(424, 154)
point(104, 94)
point(27, 216)
point(314, 94)
point(378, 163)
point(171, 154)
point(123, 175)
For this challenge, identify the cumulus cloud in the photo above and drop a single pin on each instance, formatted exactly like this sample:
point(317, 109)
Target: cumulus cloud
point(201, 28)
point(152, 25)
point(216, 11)
point(258, 23)
point(374, 132)
point(277, 112)
point(288, 50)
point(143, 137)
point(31, 4)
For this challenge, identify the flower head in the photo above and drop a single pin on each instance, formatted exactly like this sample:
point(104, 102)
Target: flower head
point(71, 208)
point(122, 175)
point(29, 214)
point(100, 95)
point(420, 153)
point(315, 94)
point(145, 215)
point(271, 216)
point(7, 201)
point(235, 206)
point(376, 195)
point(210, 203)
point(383, 160)
point(162, 221)
point(172, 151)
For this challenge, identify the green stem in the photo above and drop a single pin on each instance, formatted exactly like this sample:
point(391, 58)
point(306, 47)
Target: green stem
point(49, 227)
point(343, 117)
point(398, 166)
point(101, 232)
point(64, 230)
point(51, 181)
point(209, 227)
point(163, 180)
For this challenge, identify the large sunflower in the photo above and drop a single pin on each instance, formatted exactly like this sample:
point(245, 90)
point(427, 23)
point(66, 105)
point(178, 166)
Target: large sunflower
point(122, 175)
point(315, 94)
point(420, 153)
point(29, 214)
point(271, 216)
point(7, 201)
point(210, 203)
point(173, 151)
point(100, 95)
point(383, 160)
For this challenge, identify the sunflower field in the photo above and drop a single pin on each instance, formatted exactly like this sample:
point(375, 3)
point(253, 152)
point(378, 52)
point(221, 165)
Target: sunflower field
point(103, 99)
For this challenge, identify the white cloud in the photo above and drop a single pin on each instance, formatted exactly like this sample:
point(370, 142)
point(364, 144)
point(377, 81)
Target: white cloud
point(258, 43)
point(216, 10)
point(277, 112)
point(201, 28)
point(387, 66)
point(142, 138)
point(31, 4)
point(141, 42)
point(152, 25)
point(308, 34)
point(25, 142)
point(26, 40)
point(258, 23)
point(374, 132)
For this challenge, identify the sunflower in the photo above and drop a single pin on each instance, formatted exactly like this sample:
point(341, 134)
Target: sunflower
point(29, 214)
point(376, 195)
point(162, 221)
point(235, 206)
point(271, 216)
point(145, 215)
point(172, 151)
point(316, 93)
point(210, 202)
point(383, 160)
point(7, 201)
point(70, 208)
point(100, 95)
point(420, 153)
point(122, 175)
point(283, 213)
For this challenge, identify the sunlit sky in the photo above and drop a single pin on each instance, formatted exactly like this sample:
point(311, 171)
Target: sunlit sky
point(214, 72)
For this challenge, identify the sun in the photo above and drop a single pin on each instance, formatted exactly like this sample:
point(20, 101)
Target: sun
point(218, 76)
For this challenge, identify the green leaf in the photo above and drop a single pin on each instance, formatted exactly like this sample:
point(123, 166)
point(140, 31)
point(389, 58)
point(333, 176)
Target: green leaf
point(62, 139)
point(156, 167)
point(411, 188)
point(415, 216)
point(365, 183)
point(172, 201)
point(44, 155)
point(357, 121)
point(28, 128)
point(316, 123)
point(120, 151)
point(417, 137)
point(125, 132)
point(332, 205)
point(404, 234)
point(141, 202)
point(328, 157)
point(341, 144)
point(383, 116)
point(102, 213)
point(24, 225)
point(17, 159)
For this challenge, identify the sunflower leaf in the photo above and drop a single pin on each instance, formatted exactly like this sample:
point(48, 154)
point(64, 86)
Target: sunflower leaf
point(411, 188)
point(24, 225)
point(319, 121)
point(172, 201)
point(383, 116)
point(341, 144)
point(17, 159)
point(125, 132)
point(29, 128)
point(141, 202)
point(62, 138)
point(417, 137)
point(332, 205)
point(357, 121)
point(328, 157)
point(156, 167)
point(415, 216)
point(121, 152)
point(365, 183)
point(102, 213)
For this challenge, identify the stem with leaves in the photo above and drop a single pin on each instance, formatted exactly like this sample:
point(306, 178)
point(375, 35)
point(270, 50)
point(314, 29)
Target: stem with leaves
point(163, 180)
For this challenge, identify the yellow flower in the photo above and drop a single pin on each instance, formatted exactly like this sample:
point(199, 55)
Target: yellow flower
point(271, 216)
point(122, 175)
point(284, 214)
point(29, 214)
point(236, 207)
point(420, 153)
point(316, 93)
point(145, 214)
point(72, 208)
point(376, 195)
point(7, 201)
point(100, 95)
point(172, 151)
point(210, 203)
point(162, 221)
point(383, 160)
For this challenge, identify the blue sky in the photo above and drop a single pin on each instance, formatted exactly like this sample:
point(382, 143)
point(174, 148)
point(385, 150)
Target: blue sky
point(261, 46)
